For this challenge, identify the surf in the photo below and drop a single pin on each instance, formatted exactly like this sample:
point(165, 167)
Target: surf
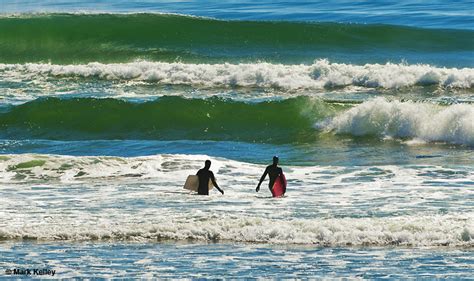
point(319, 75)
point(299, 120)
point(321, 221)
point(421, 231)
point(416, 122)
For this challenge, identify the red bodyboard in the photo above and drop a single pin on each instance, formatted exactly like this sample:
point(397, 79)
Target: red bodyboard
point(279, 188)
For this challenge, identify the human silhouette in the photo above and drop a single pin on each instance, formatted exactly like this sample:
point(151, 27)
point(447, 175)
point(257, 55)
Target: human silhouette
point(204, 175)
point(273, 172)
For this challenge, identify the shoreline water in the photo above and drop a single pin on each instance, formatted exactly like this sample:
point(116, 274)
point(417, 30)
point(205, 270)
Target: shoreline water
point(128, 260)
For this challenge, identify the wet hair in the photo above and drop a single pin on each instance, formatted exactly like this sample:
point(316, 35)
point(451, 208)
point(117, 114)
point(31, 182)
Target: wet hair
point(207, 163)
point(275, 159)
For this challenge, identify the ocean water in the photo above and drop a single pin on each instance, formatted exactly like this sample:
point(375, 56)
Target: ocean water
point(107, 106)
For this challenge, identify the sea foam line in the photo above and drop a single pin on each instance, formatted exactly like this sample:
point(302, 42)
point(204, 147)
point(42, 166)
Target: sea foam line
point(320, 74)
point(425, 230)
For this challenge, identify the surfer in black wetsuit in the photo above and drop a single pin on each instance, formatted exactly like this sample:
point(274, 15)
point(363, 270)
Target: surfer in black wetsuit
point(204, 175)
point(273, 172)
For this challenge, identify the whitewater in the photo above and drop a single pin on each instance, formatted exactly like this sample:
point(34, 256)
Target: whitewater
point(327, 206)
point(320, 74)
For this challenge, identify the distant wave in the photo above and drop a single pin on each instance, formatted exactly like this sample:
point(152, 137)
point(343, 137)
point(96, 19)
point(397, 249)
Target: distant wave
point(321, 74)
point(415, 121)
point(84, 38)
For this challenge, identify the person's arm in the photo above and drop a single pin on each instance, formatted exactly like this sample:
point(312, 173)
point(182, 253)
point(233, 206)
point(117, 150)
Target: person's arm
point(262, 179)
point(213, 179)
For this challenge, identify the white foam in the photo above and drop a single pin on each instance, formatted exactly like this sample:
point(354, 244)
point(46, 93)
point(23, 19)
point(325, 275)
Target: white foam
point(70, 169)
point(418, 121)
point(437, 230)
point(142, 199)
point(320, 74)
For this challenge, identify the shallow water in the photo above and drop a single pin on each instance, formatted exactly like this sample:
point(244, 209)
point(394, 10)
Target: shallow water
point(238, 260)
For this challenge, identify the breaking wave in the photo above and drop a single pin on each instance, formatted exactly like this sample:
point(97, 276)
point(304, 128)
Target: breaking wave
point(319, 75)
point(407, 120)
point(294, 120)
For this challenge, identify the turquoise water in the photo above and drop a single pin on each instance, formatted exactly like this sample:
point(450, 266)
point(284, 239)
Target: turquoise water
point(66, 39)
point(107, 106)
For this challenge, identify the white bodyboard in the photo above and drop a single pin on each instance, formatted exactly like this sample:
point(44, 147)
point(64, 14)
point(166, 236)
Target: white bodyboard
point(192, 183)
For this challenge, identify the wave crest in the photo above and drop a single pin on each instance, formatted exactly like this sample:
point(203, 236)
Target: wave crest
point(425, 122)
point(321, 74)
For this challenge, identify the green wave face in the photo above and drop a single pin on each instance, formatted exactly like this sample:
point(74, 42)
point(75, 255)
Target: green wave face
point(66, 38)
point(168, 118)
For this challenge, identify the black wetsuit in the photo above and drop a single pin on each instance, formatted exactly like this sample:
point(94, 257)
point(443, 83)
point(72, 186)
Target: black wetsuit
point(273, 172)
point(204, 175)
